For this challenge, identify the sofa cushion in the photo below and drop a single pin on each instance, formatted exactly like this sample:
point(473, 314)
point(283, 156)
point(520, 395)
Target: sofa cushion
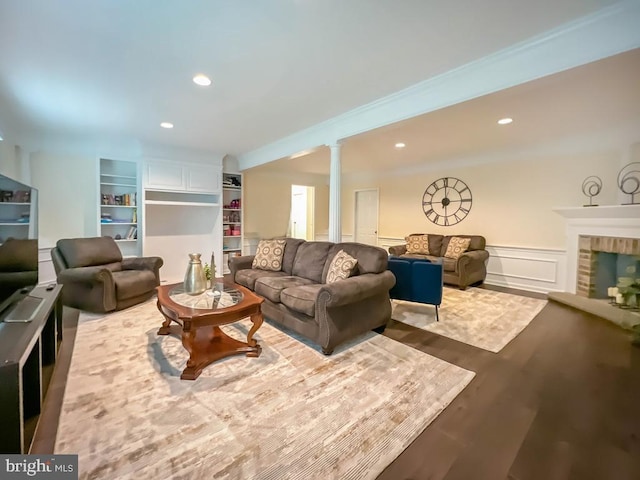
point(247, 277)
point(269, 255)
point(478, 242)
point(342, 266)
point(448, 264)
point(456, 247)
point(301, 299)
point(311, 259)
point(418, 244)
point(271, 287)
point(435, 243)
point(290, 251)
point(371, 259)
point(133, 283)
point(85, 252)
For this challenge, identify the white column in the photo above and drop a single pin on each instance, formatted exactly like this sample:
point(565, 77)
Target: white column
point(335, 220)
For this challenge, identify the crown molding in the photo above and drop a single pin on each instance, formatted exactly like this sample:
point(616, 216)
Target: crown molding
point(599, 35)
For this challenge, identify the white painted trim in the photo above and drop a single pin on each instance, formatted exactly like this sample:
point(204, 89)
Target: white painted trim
point(526, 268)
point(609, 31)
point(603, 221)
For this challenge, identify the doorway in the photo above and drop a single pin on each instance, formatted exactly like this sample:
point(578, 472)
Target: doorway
point(302, 212)
point(365, 229)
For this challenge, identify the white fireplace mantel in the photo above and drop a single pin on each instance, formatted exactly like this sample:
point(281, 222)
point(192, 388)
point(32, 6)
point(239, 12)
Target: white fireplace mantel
point(604, 212)
point(605, 221)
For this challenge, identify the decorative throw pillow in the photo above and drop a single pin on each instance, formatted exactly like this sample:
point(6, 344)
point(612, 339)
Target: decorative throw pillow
point(457, 246)
point(418, 244)
point(269, 255)
point(341, 267)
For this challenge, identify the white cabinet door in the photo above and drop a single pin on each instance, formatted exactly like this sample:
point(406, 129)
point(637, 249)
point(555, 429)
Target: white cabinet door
point(203, 178)
point(165, 176)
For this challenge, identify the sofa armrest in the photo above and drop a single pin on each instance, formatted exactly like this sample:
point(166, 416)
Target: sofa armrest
point(471, 257)
point(92, 275)
point(144, 263)
point(240, 263)
point(354, 289)
point(398, 250)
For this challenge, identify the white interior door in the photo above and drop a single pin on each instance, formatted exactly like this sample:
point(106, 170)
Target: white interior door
point(366, 217)
point(298, 212)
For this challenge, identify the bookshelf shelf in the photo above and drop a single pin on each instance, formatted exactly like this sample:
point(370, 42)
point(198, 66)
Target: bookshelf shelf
point(118, 201)
point(184, 204)
point(232, 216)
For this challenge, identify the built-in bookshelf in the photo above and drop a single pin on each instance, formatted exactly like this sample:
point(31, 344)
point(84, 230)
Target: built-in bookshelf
point(118, 204)
point(232, 216)
point(16, 204)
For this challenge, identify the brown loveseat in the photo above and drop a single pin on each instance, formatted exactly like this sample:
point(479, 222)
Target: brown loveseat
point(299, 297)
point(470, 268)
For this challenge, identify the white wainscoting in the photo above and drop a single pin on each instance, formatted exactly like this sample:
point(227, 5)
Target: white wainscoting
point(531, 269)
point(46, 272)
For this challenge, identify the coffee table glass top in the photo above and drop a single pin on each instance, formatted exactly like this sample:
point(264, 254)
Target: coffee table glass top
point(220, 296)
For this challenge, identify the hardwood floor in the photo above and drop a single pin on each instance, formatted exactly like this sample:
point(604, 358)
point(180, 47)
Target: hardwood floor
point(561, 401)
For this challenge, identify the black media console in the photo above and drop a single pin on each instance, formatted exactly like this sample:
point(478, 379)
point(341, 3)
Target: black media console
point(28, 352)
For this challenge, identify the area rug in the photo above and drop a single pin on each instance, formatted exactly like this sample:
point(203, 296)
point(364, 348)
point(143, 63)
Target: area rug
point(483, 318)
point(292, 413)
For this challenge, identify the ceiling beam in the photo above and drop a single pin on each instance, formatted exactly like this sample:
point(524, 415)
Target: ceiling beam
point(604, 33)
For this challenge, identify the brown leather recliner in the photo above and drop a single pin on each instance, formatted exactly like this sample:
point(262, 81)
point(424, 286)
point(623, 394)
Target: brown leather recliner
point(96, 278)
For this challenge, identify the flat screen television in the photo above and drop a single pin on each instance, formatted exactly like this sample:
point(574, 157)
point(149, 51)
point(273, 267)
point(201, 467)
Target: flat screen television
point(18, 251)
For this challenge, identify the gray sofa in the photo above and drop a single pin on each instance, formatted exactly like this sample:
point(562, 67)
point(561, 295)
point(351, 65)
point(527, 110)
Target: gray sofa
point(467, 270)
point(298, 297)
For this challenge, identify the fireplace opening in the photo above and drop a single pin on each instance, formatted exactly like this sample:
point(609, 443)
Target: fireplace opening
point(604, 263)
point(612, 270)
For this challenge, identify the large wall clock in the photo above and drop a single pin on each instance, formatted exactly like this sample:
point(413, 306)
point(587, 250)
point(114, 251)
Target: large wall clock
point(447, 201)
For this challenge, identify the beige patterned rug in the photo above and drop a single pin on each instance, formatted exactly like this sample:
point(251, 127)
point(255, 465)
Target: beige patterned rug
point(483, 318)
point(291, 413)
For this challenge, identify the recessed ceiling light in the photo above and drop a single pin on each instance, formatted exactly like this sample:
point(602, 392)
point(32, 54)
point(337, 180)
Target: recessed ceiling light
point(202, 80)
point(166, 125)
point(400, 145)
point(505, 121)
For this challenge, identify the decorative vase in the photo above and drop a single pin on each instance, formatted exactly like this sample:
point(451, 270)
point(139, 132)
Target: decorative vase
point(195, 281)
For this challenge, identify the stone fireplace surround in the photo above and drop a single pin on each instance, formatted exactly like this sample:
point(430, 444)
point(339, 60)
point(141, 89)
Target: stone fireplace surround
point(613, 229)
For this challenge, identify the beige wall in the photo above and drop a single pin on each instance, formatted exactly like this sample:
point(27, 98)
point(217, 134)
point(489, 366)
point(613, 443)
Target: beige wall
point(512, 201)
point(267, 198)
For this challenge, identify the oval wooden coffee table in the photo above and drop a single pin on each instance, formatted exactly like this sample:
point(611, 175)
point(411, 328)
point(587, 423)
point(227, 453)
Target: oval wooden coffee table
point(199, 317)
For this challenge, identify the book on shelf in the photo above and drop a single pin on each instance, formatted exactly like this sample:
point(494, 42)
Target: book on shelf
point(126, 199)
point(132, 234)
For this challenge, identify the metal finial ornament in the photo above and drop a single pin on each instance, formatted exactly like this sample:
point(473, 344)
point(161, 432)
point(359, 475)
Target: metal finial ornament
point(629, 181)
point(591, 187)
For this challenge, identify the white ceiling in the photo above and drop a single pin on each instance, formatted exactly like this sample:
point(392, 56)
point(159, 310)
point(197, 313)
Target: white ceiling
point(116, 68)
point(575, 106)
